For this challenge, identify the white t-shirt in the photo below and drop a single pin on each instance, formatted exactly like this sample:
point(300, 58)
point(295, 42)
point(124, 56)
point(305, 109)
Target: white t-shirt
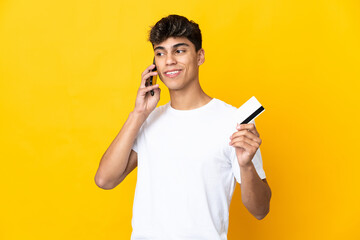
point(186, 173)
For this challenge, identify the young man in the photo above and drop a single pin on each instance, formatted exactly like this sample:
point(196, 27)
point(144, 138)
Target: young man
point(189, 152)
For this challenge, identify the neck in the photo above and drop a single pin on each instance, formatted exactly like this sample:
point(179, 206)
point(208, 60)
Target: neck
point(189, 98)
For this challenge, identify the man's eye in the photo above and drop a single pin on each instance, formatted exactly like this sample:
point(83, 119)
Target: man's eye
point(159, 54)
point(180, 51)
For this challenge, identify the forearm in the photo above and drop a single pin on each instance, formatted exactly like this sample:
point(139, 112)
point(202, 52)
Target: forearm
point(115, 159)
point(255, 193)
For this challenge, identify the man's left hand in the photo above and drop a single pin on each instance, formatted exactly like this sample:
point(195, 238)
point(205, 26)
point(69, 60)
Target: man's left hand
point(246, 142)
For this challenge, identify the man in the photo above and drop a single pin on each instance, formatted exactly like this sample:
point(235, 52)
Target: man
point(189, 152)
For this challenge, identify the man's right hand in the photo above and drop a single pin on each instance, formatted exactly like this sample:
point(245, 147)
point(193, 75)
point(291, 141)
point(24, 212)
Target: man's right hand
point(145, 103)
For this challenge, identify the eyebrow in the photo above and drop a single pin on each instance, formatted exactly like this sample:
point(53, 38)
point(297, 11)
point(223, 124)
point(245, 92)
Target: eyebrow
point(174, 46)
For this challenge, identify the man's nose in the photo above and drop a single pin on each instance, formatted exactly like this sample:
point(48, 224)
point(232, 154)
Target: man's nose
point(170, 59)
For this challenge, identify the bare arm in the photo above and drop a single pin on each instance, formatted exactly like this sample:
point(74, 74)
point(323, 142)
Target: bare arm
point(255, 193)
point(115, 160)
point(119, 159)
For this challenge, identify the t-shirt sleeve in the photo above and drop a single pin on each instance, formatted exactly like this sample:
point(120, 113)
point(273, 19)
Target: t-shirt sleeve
point(257, 161)
point(135, 145)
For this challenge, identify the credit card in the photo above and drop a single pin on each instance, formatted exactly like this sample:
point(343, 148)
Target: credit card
point(249, 111)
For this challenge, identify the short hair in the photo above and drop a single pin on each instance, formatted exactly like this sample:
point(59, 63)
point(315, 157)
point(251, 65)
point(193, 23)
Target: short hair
point(175, 26)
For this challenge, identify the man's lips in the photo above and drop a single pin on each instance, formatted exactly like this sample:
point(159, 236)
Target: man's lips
point(172, 73)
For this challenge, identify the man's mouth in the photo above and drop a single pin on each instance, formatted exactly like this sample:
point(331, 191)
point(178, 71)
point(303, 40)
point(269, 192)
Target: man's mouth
point(172, 73)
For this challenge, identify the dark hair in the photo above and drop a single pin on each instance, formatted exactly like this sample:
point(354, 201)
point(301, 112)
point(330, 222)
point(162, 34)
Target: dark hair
point(175, 26)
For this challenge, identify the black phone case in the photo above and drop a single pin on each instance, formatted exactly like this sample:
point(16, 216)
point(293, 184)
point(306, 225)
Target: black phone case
point(152, 80)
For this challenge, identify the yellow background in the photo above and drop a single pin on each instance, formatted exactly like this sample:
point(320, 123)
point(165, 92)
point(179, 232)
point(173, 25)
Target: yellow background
point(69, 74)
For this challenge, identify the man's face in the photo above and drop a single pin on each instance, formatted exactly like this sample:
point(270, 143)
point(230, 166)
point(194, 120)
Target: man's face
point(178, 62)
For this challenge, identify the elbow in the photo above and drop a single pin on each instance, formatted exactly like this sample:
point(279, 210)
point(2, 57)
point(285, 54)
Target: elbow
point(262, 216)
point(101, 183)
point(267, 210)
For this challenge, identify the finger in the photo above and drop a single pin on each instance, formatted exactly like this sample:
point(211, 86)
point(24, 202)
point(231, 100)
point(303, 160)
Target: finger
point(157, 92)
point(143, 91)
point(147, 70)
point(246, 140)
point(145, 78)
point(250, 126)
point(255, 139)
point(246, 133)
point(248, 148)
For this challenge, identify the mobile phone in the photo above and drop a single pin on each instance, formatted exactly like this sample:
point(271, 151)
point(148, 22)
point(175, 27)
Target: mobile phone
point(152, 79)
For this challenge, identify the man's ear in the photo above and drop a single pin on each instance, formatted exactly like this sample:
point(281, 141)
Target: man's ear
point(201, 56)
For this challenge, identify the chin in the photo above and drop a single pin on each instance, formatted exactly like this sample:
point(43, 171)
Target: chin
point(172, 84)
point(173, 87)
